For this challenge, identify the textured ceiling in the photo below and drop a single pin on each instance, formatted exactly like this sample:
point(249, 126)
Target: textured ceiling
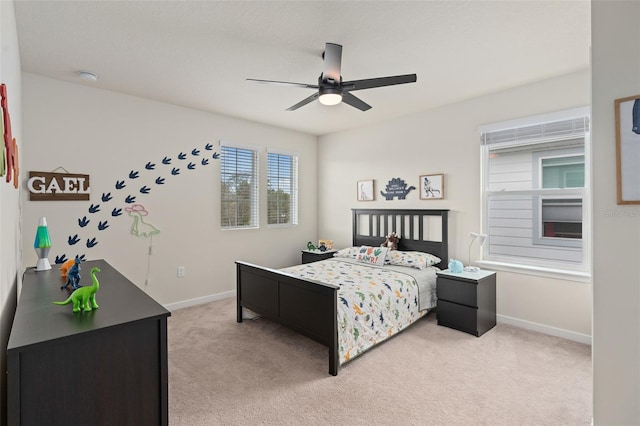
point(198, 54)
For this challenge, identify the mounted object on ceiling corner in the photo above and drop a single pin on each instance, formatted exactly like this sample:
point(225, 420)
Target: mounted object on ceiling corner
point(49, 186)
point(396, 187)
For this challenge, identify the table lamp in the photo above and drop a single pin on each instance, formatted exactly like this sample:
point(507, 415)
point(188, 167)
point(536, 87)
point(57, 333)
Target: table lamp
point(481, 239)
point(42, 245)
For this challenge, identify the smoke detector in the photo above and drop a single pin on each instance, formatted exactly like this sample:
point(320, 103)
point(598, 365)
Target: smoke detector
point(87, 75)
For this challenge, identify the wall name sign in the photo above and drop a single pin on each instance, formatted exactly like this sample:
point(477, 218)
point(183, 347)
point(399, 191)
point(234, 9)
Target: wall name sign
point(48, 186)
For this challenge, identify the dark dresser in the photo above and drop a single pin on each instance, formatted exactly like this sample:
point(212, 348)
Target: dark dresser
point(103, 367)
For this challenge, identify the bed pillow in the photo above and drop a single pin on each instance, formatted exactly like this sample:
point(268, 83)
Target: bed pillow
point(413, 259)
point(372, 255)
point(349, 252)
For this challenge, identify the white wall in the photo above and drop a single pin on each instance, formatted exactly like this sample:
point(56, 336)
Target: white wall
point(616, 243)
point(107, 135)
point(446, 140)
point(10, 250)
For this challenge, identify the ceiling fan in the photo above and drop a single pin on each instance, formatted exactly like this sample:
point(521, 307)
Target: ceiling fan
point(331, 90)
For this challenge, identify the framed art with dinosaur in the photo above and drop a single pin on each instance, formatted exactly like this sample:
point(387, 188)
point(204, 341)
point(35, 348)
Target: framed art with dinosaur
point(432, 187)
point(365, 190)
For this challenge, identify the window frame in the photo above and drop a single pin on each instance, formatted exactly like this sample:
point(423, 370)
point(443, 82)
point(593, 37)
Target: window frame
point(558, 193)
point(294, 195)
point(524, 264)
point(254, 185)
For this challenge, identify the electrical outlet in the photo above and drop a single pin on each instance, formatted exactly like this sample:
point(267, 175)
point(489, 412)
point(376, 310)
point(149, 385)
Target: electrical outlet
point(181, 271)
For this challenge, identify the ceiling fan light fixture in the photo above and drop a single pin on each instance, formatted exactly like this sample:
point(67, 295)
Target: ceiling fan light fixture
point(330, 96)
point(331, 90)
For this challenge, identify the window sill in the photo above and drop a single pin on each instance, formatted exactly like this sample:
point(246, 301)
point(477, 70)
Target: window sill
point(540, 271)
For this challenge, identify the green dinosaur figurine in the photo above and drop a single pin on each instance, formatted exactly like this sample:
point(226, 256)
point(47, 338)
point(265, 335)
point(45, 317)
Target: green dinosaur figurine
point(84, 297)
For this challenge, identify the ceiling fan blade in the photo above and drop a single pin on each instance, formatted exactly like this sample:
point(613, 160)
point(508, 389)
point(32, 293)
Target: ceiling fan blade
point(332, 62)
point(304, 102)
point(348, 98)
point(370, 83)
point(285, 83)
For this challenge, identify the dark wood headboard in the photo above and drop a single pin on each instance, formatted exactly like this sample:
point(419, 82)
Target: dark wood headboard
point(371, 226)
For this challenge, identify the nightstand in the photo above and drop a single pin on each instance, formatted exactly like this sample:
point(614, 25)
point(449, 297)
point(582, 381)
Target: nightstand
point(309, 256)
point(467, 301)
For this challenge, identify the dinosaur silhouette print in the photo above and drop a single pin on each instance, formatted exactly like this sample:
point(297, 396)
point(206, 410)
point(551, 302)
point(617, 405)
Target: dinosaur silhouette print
point(396, 188)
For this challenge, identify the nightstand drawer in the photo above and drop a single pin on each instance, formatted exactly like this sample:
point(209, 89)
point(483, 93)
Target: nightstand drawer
point(457, 291)
point(463, 318)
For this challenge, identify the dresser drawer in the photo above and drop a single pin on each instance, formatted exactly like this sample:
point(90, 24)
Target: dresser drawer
point(457, 291)
point(463, 318)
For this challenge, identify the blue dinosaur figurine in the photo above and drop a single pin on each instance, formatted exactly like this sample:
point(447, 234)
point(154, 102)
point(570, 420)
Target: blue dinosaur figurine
point(73, 275)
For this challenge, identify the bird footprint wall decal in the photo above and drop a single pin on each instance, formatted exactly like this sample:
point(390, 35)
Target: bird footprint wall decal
point(134, 208)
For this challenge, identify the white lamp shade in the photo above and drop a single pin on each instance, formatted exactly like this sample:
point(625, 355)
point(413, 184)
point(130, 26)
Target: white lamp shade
point(480, 237)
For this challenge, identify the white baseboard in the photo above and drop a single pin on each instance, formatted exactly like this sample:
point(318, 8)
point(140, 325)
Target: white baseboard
point(546, 329)
point(200, 300)
point(502, 319)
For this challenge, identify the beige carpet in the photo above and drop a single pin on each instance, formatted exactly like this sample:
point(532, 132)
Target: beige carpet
point(257, 372)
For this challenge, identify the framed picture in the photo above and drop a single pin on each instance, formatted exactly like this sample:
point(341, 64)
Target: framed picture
point(365, 190)
point(628, 149)
point(432, 187)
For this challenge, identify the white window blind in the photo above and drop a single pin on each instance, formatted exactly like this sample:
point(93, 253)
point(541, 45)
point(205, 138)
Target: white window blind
point(535, 192)
point(239, 188)
point(282, 189)
point(574, 128)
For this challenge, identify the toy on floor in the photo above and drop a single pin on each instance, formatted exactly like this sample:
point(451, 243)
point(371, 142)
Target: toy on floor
point(72, 274)
point(84, 297)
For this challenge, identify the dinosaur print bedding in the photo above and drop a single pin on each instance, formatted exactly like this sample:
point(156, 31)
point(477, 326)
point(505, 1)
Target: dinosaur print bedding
point(374, 302)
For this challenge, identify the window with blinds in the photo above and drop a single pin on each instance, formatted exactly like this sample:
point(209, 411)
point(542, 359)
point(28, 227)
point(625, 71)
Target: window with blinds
point(535, 191)
point(238, 188)
point(282, 189)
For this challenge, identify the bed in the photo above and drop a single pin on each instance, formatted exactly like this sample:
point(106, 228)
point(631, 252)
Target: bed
point(294, 298)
